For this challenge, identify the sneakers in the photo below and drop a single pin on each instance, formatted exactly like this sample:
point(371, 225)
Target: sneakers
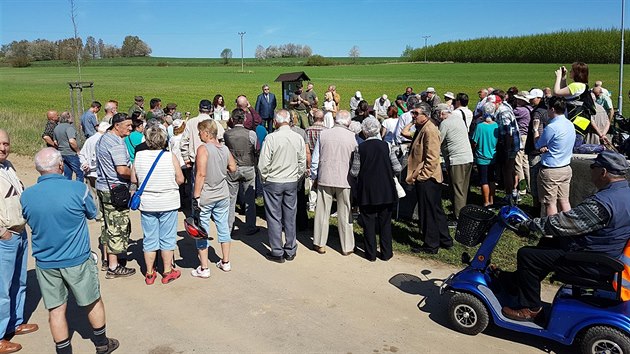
point(149, 278)
point(226, 267)
point(104, 265)
point(200, 273)
point(119, 272)
point(112, 344)
point(171, 276)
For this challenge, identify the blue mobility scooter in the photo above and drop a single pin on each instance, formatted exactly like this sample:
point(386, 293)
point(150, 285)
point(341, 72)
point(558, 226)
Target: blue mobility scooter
point(585, 310)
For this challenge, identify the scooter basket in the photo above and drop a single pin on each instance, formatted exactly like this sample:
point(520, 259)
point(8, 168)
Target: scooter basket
point(473, 225)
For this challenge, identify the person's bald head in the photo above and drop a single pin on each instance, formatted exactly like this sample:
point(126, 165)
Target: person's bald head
point(241, 102)
point(48, 160)
point(597, 91)
point(52, 116)
point(5, 145)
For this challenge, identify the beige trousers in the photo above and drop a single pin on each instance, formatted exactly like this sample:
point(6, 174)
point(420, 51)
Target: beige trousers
point(344, 217)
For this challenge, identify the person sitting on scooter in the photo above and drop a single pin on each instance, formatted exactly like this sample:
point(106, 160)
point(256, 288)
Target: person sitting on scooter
point(601, 223)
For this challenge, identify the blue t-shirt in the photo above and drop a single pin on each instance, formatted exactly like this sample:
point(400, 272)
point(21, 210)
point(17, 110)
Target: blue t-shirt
point(60, 236)
point(486, 136)
point(89, 123)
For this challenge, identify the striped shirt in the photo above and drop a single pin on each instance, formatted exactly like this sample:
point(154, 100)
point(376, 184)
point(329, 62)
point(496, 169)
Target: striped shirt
point(161, 192)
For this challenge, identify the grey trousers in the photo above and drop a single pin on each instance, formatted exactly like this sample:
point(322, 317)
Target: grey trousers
point(91, 182)
point(344, 217)
point(460, 181)
point(243, 180)
point(280, 211)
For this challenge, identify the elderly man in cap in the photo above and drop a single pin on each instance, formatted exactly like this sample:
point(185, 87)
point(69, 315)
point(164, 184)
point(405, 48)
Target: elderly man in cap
point(112, 161)
point(601, 223)
point(432, 98)
point(61, 248)
point(87, 156)
point(381, 105)
point(138, 105)
point(354, 103)
point(13, 253)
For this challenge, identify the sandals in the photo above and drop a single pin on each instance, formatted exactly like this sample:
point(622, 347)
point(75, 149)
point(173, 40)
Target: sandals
point(149, 278)
point(171, 276)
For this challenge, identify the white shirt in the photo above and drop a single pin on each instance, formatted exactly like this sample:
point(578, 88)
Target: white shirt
point(87, 155)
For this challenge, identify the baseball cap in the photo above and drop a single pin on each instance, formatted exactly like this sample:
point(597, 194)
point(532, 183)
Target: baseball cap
point(177, 123)
point(358, 94)
point(103, 126)
point(535, 93)
point(205, 105)
point(138, 98)
point(430, 89)
point(450, 95)
point(118, 118)
point(171, 105)
point(612, 161)
point(384, 96)
point(494, 99)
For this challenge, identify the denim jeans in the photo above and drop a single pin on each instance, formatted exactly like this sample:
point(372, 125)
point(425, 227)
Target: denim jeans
point(219, 211)
point(71, 163)
point(13, 257)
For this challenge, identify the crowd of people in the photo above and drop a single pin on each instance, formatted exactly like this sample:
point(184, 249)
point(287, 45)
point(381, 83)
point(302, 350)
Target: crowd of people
point(356, 162)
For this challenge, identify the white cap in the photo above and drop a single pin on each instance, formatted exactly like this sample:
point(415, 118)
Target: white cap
point(358, 94)
point(103, 126)
point(384, 96)
point(450, 95)
point(430, 89)
point(535, 93)
point(177, 123)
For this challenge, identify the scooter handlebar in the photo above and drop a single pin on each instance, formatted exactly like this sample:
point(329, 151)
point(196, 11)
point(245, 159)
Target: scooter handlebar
point(512, 216)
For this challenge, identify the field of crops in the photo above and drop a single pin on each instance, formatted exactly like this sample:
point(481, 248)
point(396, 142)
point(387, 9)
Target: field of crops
point(26, 93)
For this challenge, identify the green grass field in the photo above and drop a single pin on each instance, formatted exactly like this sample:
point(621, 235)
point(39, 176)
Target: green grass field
point(26, 93)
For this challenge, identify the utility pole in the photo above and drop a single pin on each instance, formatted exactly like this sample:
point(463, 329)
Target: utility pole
point(242, 62)
point(425, 47)
point(620, 99)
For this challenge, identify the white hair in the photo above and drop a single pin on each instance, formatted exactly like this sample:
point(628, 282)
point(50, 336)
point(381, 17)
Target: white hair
point(371, 127)
point(47, 160)
point(283, 116)
point(355, 127)
point(109, 106)
point(343, 118)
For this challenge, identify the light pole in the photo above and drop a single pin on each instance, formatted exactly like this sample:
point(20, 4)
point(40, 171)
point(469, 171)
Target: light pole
point(425, 47)
point(620, 100)
point(242, 62)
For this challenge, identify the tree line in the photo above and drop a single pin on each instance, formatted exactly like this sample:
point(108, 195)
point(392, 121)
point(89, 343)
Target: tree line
point(22, 53)
point(289, 50)
point(593, 46)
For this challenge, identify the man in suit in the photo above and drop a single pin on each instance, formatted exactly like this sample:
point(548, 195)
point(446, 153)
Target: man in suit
point(265, 106)
point(425, 172)
point(330, 167)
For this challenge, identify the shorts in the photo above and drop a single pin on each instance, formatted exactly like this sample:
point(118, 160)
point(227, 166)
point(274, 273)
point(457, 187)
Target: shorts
point(219, 212)
point(82, 280)
point(159, 229)
point(554, 184)
point(486, 174)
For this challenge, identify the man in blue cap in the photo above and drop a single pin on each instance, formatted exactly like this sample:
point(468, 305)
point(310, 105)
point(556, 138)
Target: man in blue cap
point(601, 223)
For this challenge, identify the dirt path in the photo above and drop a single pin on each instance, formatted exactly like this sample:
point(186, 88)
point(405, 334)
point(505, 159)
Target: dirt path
point(317, 303)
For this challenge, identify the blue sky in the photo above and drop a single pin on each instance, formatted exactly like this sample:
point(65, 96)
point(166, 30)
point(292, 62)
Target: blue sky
point(202, 28)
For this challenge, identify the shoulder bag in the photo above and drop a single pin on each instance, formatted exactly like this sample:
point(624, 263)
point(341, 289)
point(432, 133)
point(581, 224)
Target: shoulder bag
point(134, 202)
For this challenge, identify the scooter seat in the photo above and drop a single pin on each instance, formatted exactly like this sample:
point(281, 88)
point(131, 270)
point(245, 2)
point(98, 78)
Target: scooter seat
point(580, 260)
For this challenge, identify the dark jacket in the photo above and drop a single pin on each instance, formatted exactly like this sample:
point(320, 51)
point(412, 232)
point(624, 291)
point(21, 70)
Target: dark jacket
point(376, 176)
point(264, 108)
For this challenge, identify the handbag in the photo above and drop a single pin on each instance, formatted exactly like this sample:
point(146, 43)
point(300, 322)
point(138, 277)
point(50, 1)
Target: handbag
point(134, 202)
point(118, 195)
point(400, 191)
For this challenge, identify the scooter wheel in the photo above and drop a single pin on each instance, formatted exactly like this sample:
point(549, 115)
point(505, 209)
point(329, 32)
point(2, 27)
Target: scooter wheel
point(603, 339)
point(467, 314)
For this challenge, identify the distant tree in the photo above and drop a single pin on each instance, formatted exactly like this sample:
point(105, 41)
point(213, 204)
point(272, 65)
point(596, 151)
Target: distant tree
point(273, 52)
point(133, 46)
point(306, 52)
point(101, 48)
point(18, 54)
point(354, 53)
point(261, 54)
point(110, 51)
point(42, 49)
point(408, 52)
point(67, 49)
point(91, 48)
point(226, 55)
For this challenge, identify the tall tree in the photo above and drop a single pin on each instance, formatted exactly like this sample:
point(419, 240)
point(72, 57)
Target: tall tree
point(91, 48)
point(226, 55)
point(354, 53)
point(133, 46)
point(101, 48)
point(260, 52)
point(18, 54)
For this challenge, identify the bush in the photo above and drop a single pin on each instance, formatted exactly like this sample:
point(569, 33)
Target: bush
point(20, 62)
point(318, 60)
point(162, 63)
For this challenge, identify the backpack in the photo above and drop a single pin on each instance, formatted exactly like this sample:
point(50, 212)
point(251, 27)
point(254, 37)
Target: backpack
point(581, 111)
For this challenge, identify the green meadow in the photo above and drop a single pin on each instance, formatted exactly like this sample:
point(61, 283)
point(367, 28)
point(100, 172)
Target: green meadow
point(27, 93)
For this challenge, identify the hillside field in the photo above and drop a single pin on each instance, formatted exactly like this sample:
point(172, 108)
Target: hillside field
point(26, 93)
